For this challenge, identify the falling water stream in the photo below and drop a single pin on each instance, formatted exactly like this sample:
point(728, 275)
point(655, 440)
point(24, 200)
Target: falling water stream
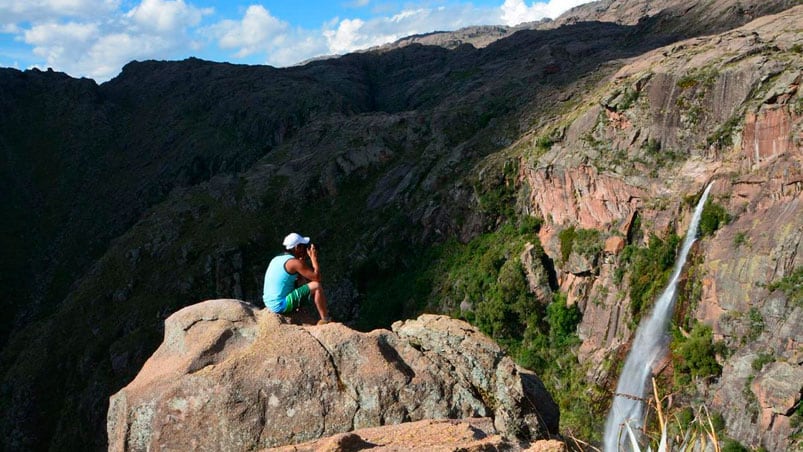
point(648, 347)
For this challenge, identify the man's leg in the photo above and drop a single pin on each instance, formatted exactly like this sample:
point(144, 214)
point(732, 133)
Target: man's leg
point(319, 298)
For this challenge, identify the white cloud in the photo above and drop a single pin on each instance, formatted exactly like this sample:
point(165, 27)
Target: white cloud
point(515, 12)
point(98, 44)
point(349, 35)
point(352, 34)
point(33, 11)
point(166, 16)
point(54, 42)
point(258, 31)
point(10, 28)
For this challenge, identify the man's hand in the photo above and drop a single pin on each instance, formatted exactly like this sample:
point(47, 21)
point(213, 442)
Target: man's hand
point(313, 253)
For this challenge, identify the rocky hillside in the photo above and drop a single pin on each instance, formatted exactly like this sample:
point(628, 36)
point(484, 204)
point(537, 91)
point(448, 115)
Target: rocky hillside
point(533, 186)
point(725, 108)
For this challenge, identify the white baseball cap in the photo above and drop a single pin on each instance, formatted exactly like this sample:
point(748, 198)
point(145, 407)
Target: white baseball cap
point(294, 239)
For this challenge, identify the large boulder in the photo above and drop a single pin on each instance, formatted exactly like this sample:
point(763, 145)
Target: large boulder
point(229, 376)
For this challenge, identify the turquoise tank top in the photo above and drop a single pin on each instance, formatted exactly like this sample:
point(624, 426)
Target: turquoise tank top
point(278, 283)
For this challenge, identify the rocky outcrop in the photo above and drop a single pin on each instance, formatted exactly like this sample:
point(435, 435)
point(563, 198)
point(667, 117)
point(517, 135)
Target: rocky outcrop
point(676, 16)
point(581, 196)
point(467, 435)
point(229, 377)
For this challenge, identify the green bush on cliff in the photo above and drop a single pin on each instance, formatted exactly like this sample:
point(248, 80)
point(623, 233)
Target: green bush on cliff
point(649, 269)
point(496, 191)
point(792, 286)
point(713, 217)
point(586, 242)
point(563, 320)
point(566, 238)
point(695, 356)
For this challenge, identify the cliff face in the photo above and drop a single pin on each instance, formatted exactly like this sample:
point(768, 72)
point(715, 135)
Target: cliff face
point(229, 377)
point(725, 108)
point(127, 204)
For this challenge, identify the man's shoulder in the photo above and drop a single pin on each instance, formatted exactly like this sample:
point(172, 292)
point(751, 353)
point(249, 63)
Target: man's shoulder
point(292, 263)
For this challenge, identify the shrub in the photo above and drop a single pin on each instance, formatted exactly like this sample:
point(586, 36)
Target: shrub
point(649, 270)
point(653, 146)
point(544, 144)
point(739, 239)
point(566, 238)
point(730, 445)
point(761, 360)
point(496, 193)
point(695, 356)
point(756, 325)
point(562, 320)
point(587, 242)
point(628, 98)
point(687, 81)
point(723, 136)
point(791, 286)
point(712, 218)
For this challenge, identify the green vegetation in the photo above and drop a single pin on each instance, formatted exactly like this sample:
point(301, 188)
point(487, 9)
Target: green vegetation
point(566, 238)
point(723, 137)
point(629, 97)
point(687, 81)
point(751, 405)
point(562, 320)
point(544, 143)
point(755, 326)
point(657, 156)
point(797, 106)
point(761, 360)
point(791, 286)
point(730, 445)
point(739, 239)
point(497, 191)
point(690, 292)
point(796, 420)
point(649, 269)
point(586, 242)
point(694, 356)
point(713, 217)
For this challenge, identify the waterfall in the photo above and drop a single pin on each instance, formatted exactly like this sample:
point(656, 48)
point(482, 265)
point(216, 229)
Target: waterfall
point(648, 346)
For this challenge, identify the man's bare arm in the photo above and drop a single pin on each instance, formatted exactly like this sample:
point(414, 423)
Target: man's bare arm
point(298, 266)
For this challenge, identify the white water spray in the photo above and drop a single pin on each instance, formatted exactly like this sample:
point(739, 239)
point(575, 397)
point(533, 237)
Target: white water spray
point(648, 346)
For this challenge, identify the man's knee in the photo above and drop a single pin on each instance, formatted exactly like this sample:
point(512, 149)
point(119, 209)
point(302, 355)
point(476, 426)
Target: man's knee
point(314, 286)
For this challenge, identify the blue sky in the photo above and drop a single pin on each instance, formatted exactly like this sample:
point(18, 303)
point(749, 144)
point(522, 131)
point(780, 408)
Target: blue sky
point(95, 38)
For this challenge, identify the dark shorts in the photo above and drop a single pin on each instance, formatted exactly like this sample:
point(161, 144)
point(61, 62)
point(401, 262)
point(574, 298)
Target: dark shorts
point(294, 299)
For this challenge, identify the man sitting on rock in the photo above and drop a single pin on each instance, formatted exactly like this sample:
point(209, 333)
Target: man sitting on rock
point(289, 280)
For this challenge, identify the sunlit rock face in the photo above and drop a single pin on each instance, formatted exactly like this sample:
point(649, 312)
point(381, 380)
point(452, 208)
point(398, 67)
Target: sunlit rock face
point(229, 377)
